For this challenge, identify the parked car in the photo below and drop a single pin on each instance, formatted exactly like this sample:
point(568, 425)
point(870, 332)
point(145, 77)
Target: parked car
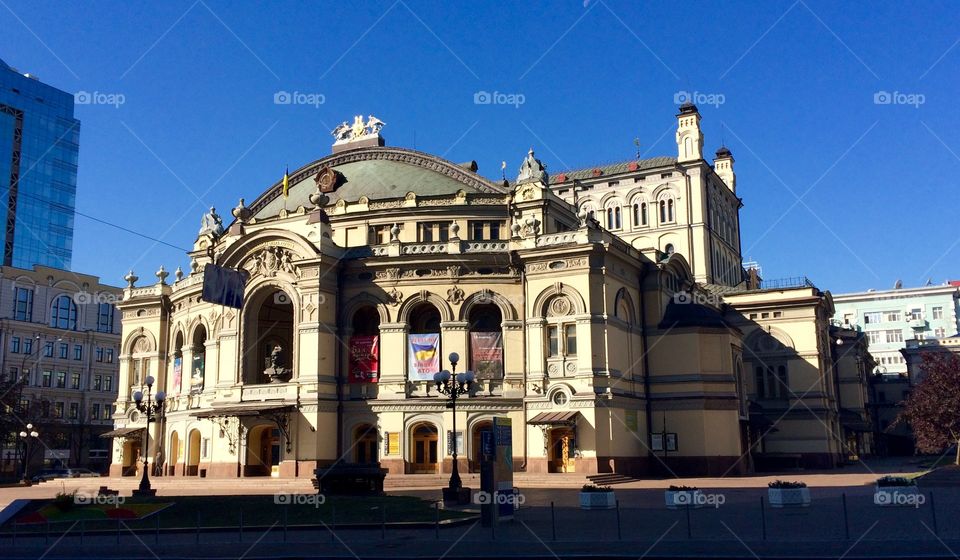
point(50, 474)
point(81, 473)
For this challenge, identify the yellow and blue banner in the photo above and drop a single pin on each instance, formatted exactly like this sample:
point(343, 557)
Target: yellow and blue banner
point(424, 356)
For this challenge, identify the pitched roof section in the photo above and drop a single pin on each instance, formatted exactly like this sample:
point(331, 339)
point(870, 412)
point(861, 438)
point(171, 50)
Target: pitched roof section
point(613, 169)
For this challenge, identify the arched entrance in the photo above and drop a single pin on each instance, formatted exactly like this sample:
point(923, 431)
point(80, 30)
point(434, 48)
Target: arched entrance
point(173, 456)
point(363, 367)
point(268, 325)
point(476, 450)
point(425, 319)
point(424, 444)
point(365, 444)
point(193, 453)
point(263, 451)
point(562, 446)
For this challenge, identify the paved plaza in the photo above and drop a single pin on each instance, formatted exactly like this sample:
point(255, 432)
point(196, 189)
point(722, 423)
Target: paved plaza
point(842, 521)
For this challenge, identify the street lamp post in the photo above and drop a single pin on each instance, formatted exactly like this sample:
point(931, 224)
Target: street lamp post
point(152, 411)
point(453, 385)
point(27, 435)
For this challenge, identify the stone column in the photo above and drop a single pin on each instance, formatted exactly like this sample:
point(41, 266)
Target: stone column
point(393, 361)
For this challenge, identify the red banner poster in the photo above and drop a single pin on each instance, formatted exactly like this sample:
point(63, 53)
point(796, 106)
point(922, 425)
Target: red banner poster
point(486, 354)
point(364, 359)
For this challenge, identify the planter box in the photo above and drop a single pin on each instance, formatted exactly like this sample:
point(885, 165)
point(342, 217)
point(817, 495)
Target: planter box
point(597, 500)
point(683, 498)
point(898, 496)
point(789, 497)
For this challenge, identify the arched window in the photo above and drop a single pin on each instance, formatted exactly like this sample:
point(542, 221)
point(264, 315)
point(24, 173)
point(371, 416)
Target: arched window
point(643, 213)
point(486, 341)
point(616, 217)
point(610, 219)
point(63, 314)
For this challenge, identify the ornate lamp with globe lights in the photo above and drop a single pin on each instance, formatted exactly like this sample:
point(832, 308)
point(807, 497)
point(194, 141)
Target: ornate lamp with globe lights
point(152, 412)
point(453, 385)
point(28, 434)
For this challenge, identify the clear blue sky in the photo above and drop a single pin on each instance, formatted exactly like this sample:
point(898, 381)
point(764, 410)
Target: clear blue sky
point(797, 80)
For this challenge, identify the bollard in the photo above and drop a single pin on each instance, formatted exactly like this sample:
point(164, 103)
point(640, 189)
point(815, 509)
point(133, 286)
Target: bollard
point(241, 525)
point(933, 511)
point(846, 518)
point(763, 519)
point(284, 524)
point(436, 524)
point(619, 534)
point(553, 521)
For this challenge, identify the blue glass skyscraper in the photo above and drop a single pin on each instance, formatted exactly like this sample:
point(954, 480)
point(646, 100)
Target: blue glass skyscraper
point(39, 147)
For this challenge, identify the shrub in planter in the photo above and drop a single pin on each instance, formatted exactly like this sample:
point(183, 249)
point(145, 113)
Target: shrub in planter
point(897, 491)
point(597, 497)
point(782, 493)
point(64, 501)
point(682, 496)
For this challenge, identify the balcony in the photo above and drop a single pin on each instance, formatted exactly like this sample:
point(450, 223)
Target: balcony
point(917, 324)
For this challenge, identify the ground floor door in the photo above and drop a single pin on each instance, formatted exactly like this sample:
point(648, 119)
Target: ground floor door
point(562, 445)
point(425, 447)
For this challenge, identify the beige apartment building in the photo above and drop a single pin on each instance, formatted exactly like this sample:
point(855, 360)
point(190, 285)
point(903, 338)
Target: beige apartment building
point(605, 311)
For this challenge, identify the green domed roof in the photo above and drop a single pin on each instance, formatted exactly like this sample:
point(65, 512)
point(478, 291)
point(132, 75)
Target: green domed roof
point(376, 173)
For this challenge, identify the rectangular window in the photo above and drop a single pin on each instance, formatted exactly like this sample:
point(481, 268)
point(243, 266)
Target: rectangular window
point(108, 383)
point(95, 411)
point(64, 350)
point(430, 232)
point(109, 355)
point(13, 373)
point(15, 345)
point(107, 411)
point(916, 314)
point(874, 337)
point(99, 354)
point(938, 313)
point(553, 341)
point(894, 335)
point(772, 382)
point(28, 346)
point(58, 410)
point(78, 352)
point(871, 317)
point(105, 317)
point(74, 380)
point(939, 332)
point(74, 410)
point(97, 382)
point(47, 376)
point(486, 230)
point(380, 234)
point(570, 340)
point(45, 409)
point(892, 316)
point(48, 350)
point(23, 305)
point(61, 380)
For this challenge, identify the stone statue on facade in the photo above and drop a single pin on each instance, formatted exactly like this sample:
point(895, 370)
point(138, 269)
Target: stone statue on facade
point(211, 224)
point(348, 132)
point(276, 370)
point(342, 132)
